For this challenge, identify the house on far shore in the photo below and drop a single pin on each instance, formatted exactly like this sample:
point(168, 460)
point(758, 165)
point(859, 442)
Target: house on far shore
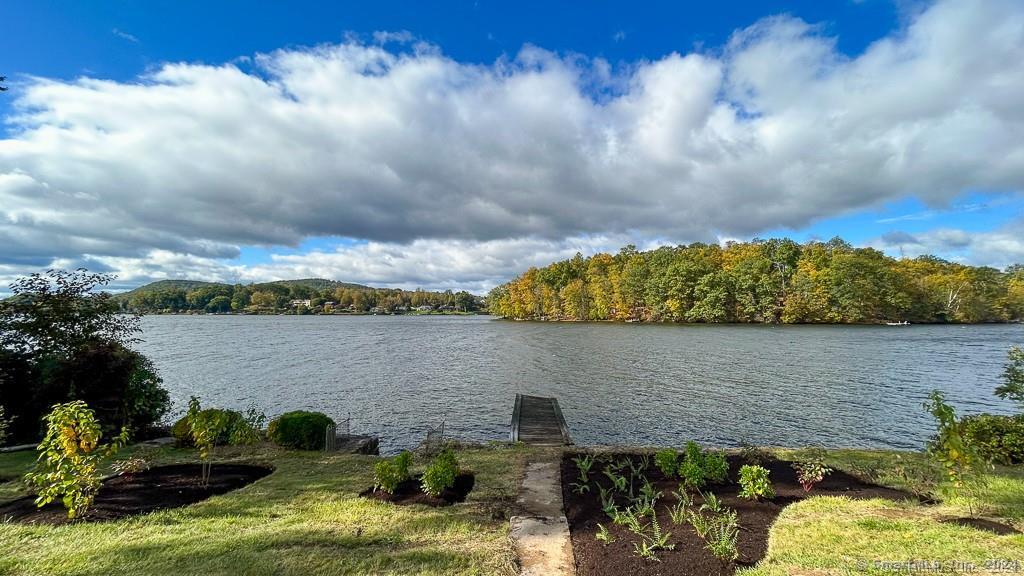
point(424, 308)
point(446, 308)
point(297, 303)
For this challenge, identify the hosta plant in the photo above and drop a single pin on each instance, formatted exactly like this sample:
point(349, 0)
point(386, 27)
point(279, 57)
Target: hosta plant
point(69, 457)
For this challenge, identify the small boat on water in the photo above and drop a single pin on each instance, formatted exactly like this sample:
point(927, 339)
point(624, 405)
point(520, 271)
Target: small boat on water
point(904, 323)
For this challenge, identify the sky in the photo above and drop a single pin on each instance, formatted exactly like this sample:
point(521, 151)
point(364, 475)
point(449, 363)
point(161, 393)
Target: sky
point(455, 144)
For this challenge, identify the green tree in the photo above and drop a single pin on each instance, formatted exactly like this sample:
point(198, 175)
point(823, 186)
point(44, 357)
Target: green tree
point(1012, 387)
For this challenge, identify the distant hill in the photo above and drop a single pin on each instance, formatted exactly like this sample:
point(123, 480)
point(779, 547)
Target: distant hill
point(316, 284)
point(159, 285)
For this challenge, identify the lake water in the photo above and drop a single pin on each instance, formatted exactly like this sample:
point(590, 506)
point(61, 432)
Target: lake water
point(616, 383)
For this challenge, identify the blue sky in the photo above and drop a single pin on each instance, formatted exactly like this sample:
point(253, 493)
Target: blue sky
point(737, 86)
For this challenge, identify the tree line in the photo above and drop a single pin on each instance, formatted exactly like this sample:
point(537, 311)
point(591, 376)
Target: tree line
point(276, 297)
point(763, 281)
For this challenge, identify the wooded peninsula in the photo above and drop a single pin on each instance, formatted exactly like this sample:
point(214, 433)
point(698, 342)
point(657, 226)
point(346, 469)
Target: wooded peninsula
point(763, 281)
point(305, 296)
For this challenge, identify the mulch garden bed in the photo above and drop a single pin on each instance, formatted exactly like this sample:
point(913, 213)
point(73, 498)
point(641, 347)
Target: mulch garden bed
point(409, 492)
point(158, 488)
point(690, 557)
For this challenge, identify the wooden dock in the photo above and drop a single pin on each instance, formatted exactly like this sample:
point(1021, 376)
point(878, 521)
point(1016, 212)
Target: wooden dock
point(538, 420)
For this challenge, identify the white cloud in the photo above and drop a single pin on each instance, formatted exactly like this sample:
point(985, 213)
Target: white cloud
point(125, 36)
point(997, 248)
point(777, 130)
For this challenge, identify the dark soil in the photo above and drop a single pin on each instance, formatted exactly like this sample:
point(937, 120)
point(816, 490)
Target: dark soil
point(982, 524)
point(690, 556)
point(158, 488)
point(409, 492)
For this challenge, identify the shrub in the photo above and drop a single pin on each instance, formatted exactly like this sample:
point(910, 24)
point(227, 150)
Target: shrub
point(810, 469)
point(950, 446)
point(388, 474)
point(121, 385)
point(232, 419)
point(299, 429)
point(667, 461)
point(699, 467)
point(441, 473)
point(716, 467)
point(996, 438)
point(692, 474)
point(754, 483)
point(69, 458)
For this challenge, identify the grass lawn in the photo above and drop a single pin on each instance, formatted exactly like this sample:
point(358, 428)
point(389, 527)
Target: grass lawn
point(835, 535)
point(305, 518)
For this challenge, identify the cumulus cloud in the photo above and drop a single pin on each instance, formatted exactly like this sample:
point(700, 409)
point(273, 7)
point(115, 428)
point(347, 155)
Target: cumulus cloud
point(999, 248)
point(397, 144)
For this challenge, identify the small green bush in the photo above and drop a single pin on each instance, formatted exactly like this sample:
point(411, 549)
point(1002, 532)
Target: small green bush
point(667, 461)
point(716, 467)
point(388, 474)
point(754, 483)
point(441, 473)
point(692, 474)
point(182, 431)
point(299, 429)
point(996, 438)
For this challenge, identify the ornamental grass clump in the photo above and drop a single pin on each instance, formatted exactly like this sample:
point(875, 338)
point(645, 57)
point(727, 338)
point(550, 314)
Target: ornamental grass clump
point(441, 473)
point(755, 484)
point(388, 474)
point(69, 457)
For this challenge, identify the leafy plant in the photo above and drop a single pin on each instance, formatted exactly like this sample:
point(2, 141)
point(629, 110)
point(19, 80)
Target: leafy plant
point(721, 536)
point(1012, 387)
point(584, 464)
point(754, 483)
point(249, 429)
point(716, 467)
point(811, 469)
point(701, 523)
point(667, 461)
point(619, 482)
point(388, 474)
point(711, 504)
point(693, 453)
point(130, 466)
point(951, 449)
point(580, 488)
point(69, 457)
point(604, 535)
point(441, 473)
point(607, 501)
point(692, 474)
point(678, 511)
point(206, 427)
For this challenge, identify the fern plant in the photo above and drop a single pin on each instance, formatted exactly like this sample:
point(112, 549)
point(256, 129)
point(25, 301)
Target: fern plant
point(584, 463)
point(603, 535)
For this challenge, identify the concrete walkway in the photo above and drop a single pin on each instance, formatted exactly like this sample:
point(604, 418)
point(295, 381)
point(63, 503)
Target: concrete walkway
point(541, 534)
